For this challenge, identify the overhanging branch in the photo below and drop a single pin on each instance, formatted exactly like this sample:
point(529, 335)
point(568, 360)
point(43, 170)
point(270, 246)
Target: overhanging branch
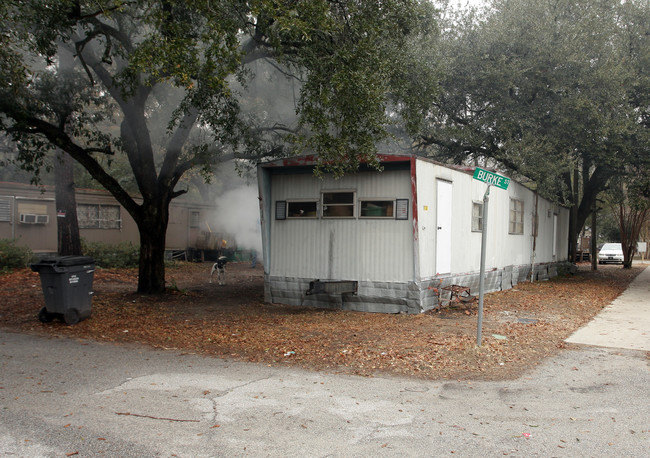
point(60, 139)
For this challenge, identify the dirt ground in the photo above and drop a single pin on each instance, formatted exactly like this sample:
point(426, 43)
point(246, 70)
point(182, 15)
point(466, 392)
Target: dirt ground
point(521, 326)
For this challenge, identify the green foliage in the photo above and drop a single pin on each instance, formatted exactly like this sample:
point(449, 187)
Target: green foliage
point(608, 227)
point(541, 84)
point(360, 67)
point(112, 256)
point(373, 68)
point(13, 256)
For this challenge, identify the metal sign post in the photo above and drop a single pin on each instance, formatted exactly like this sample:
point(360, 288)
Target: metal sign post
point(502, 182)
point(481, 283)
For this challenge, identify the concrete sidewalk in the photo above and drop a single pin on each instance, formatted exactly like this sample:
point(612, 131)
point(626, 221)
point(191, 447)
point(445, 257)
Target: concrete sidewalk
point(625, 323)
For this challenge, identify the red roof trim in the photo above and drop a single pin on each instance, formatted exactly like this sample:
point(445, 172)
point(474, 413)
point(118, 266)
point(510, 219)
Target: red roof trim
point(298, 161)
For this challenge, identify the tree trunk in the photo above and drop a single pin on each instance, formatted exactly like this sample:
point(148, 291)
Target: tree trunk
point(574, 227)
point(153, 231)
point(630, 223)
point(594, 238)
point(596, 184)
point(68, 239)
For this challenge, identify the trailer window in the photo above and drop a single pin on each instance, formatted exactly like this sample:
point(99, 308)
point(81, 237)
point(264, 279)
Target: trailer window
point(195, 219)
point(5, 210)
point(94, 216)
point(302, 209)
point(516, 225)
point(477, 216)
point(338, 204)
point(377, 209)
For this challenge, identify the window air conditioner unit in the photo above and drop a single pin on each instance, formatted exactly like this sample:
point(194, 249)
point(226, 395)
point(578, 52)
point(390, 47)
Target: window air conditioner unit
point(29, 218)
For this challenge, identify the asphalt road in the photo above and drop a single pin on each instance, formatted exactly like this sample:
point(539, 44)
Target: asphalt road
point(63, 397)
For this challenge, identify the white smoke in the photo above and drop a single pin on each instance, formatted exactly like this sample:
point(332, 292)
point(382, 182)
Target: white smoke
point(238, 214)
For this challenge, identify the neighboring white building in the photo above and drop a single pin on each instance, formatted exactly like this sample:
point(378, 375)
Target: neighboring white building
point(400, 234)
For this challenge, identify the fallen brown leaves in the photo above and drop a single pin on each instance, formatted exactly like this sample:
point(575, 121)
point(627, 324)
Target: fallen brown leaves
point(521, 326)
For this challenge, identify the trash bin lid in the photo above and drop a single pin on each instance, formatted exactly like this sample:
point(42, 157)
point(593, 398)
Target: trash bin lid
point(64, 261)
point(74, 260)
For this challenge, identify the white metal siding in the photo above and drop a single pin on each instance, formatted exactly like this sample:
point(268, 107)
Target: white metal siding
point(342, 249)
point(503, 249)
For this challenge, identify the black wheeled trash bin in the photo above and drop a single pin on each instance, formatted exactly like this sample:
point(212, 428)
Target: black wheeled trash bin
point(67, 286)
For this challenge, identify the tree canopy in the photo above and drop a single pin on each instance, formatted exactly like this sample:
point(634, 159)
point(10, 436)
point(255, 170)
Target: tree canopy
point(166, 83)
point(556, 91)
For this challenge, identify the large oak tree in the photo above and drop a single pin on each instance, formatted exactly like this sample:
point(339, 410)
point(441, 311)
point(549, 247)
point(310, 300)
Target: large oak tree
point(188, 63)
point(555, 91)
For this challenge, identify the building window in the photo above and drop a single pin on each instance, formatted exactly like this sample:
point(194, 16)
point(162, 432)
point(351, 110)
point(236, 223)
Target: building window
point(195, 219)
point(5, 210)
point(338, 204)
point(516, 217)
point(377, 209)
point(477, 216)
point(302, 209)
point(94, 216)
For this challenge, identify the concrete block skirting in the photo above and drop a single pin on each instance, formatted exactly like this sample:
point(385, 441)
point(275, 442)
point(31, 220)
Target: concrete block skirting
point(401, 297)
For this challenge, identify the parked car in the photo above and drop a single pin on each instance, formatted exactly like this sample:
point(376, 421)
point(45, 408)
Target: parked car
point(611, 252)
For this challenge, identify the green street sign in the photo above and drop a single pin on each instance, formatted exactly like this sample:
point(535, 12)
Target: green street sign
point(491, 178)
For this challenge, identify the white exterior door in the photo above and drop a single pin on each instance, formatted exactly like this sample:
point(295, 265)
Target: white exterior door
point(443, 223)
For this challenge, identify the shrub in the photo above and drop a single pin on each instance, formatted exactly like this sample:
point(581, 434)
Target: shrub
point(13, 256)
point(112, 256)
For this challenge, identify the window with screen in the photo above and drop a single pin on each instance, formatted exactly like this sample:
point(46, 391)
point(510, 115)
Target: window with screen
point(5, 209)
point(195, 219)
point(477, 216)
point(338, 204)
point(516, 225)
point(95, 216)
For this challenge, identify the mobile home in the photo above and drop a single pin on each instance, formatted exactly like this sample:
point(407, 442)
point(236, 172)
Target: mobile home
point(388, 241)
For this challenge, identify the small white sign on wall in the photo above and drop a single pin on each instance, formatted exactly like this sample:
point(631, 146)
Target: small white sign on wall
point(402, 211)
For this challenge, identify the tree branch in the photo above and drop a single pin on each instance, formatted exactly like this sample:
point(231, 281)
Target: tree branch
point(175, 145)
point(60, 139)
point(76, 12)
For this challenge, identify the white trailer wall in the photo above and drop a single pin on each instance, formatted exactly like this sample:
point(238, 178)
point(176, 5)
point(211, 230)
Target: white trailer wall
point(341, 248)
point(502, 248)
